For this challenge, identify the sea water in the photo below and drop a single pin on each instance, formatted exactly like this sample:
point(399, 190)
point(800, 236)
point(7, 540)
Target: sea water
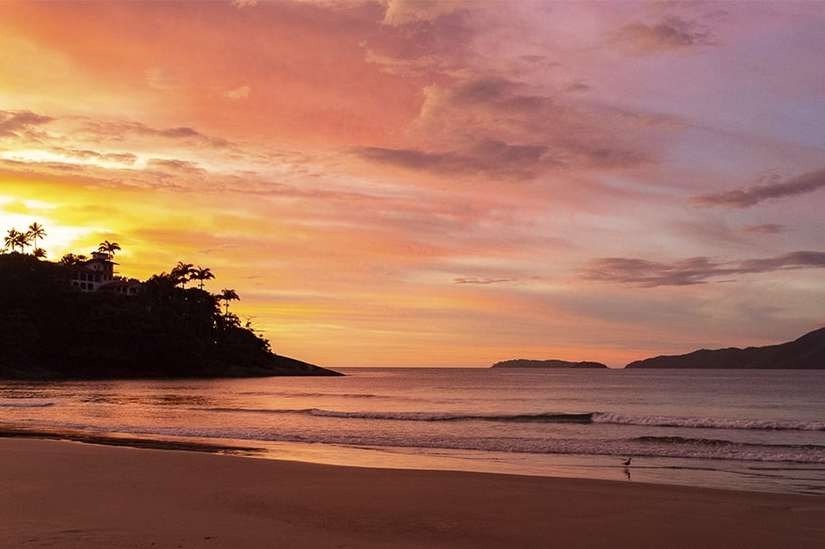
point(748, 430)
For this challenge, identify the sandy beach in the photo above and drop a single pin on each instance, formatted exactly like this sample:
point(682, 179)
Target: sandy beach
point(67, 494)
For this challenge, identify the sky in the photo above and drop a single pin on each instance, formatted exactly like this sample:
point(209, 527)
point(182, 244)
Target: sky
point(450, 183)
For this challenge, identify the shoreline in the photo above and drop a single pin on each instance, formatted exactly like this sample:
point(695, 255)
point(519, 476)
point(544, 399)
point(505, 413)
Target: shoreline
point(88, 495)
point(650, 470)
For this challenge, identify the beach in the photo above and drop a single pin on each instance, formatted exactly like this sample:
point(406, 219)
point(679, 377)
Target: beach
point(68, 494)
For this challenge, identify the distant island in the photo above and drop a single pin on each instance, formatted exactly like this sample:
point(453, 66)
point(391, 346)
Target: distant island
point(76, 319)
point(552, 363)
point(805, 353)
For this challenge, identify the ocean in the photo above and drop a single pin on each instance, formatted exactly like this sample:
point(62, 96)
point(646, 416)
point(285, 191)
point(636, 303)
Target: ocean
point(746, 430)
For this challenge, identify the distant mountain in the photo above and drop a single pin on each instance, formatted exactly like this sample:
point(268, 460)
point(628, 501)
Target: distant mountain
point(805, 353)
point(524, 363)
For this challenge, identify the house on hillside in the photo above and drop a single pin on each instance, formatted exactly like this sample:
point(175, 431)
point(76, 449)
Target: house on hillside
point(98, 274)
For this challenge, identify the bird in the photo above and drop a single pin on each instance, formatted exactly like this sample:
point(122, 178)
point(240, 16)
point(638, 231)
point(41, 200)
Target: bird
point(626, 462)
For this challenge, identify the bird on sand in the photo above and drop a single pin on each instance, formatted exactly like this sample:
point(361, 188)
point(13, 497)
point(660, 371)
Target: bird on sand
point(626, 462)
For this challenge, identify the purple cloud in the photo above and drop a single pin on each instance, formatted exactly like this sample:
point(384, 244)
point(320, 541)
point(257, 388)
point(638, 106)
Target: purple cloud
point(695, 270)
point(744, 198)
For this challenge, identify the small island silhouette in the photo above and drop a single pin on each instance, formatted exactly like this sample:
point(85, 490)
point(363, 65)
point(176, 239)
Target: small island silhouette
point(550, 363)
point(77, 319)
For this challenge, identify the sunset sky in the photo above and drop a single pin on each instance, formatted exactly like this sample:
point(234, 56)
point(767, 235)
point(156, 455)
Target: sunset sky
point(446, 183)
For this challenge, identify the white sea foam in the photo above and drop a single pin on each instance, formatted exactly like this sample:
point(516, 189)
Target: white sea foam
point(552, 417)
point(644, 446)
point(709, 422)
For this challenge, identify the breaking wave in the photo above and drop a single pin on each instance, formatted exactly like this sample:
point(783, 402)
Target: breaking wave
point(552, 417)
point(709, 423)
point(420, 416)
point(644, 446)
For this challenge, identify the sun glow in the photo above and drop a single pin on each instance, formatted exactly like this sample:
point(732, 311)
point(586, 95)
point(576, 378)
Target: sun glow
point(79, 158)
point(62, 238)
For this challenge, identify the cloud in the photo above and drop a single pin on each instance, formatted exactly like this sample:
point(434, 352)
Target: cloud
point(577, 87)
point(237, 93)
point(497, 126)
point(420, 66)
point(162, 79)
point(489, 157)
point(125, 158)
point(668, 34)
point(765, 228)
point(119, 130)
point(80, 128)
point(793, 260)
point(695, 270)
point(174, 165)
point(86, 154)
point(403, 12)
point(744, 198)
point(482, 281)
point(12, 122)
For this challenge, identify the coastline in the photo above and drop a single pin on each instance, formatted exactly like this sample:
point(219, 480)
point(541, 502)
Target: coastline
point(85, 495)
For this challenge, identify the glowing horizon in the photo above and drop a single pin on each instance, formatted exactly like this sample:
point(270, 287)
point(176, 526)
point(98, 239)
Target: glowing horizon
point(389, 182)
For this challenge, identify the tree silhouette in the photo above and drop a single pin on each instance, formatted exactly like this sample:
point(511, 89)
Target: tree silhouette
point(109, 248)
point(39, 253)
point(182, 273)
point(36, 231)
point(226, 296)
point(202, 274)
point(160, 331)
point(23, 240)
point(10, 240)
point(72, 259)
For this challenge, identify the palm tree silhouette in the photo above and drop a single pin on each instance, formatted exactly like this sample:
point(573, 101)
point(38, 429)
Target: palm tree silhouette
point(109, 248)
point(39, 253)
point(72, 259)
point(23, 240)
point(202, 274)
point(181, 273)
point(226, 296)
point(36, 231)
point(10, 240)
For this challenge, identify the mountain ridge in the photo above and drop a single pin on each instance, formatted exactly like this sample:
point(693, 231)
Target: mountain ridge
point(804, 353)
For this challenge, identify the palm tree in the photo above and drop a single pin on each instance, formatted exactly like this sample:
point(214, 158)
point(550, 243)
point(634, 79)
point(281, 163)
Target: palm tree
point(36, 231)
point(39, 253)
point(109, 248)
point(202, 274)
point(226, 296)
point(181, 273)
point(10, 240)
point(72, 259)
point(23, 240)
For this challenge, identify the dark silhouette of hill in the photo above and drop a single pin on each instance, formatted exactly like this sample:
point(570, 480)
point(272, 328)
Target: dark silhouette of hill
point(49, 330)
point(525, 363)
point(807, 352)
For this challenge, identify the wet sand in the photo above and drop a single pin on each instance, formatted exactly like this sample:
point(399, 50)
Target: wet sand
point(67, 494)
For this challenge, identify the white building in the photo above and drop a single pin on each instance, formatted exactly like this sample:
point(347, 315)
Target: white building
point(98, 274)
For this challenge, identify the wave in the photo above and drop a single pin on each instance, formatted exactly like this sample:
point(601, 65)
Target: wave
point(420, 416)
point(723, 443)
point(318, 395)
point(551, 417)
point(646, 446)
point(709, 423)
point(25, 403)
